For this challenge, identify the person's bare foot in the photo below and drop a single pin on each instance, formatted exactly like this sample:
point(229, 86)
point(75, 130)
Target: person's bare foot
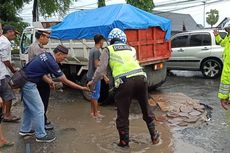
point(10, 118)
point(93, 115)
point(99, 115)
point(5, 143)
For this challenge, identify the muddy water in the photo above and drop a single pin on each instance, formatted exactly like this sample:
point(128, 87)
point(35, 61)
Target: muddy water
point(77, 132)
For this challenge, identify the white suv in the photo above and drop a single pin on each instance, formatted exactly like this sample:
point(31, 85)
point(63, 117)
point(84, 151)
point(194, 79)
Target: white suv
point(197, 50)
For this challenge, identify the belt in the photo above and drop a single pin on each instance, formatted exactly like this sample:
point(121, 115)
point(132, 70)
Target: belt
point(128, 73)
point(120, 79)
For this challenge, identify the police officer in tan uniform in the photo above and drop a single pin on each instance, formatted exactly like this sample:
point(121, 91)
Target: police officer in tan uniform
point(36, 48)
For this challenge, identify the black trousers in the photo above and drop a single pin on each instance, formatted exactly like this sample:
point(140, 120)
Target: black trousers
point(44, 91)
point(133, 88)
point(104, 93)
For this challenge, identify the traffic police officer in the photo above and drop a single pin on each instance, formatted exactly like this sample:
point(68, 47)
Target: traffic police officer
point(224, 89)
point(130, 82)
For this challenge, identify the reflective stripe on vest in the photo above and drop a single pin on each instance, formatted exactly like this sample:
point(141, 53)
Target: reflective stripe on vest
point(122, 61)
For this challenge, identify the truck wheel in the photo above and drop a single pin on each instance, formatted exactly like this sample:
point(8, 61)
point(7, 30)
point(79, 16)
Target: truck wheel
point(86, 94)
point(155, 77)
point(211, 68)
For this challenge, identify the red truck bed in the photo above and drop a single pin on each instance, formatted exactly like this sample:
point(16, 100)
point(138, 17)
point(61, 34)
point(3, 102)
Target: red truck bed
point(150, 45)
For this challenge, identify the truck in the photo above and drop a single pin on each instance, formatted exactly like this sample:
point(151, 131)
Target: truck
point(153, 50)
point(152, 53)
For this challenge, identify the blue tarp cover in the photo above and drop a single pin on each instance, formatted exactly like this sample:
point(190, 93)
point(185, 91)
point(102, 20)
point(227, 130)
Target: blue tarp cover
point(85, 24)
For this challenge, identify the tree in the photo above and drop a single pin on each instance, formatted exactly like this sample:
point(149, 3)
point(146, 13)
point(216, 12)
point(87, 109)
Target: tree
point(146, 5)
point(213, 17)
point(9, 13)
point(48, 8)
point(101, 3)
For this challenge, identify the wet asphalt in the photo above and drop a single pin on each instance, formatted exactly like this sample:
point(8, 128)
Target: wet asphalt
point(77, 132)
point(211, 137)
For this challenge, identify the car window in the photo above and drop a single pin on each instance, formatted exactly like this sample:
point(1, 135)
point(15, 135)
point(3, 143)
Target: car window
point(200, 40)
point(195, 40)
point(206, 40)
point(222, 35)
point(27, 39)
point(180, 41)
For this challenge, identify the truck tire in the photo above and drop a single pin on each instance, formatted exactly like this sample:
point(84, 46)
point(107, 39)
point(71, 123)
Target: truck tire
point(155, 77)
point(104, 93)
point(86, 94)
point(211, 68)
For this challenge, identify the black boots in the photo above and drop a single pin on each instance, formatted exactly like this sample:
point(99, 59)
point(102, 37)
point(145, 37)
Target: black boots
point(124, 138)
point(124, 135)
point(155, 136)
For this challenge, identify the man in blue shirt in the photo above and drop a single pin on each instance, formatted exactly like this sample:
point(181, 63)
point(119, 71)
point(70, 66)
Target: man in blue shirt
point(37, 69)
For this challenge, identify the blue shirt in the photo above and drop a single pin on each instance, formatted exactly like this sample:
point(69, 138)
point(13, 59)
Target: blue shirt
point(41, 65)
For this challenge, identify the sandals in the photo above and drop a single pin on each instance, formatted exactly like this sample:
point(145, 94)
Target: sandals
point(8, 144)
point(13, 119)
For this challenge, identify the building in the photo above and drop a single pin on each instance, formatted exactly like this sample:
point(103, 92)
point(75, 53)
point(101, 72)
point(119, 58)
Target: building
point(180, 22)
point(221, 24)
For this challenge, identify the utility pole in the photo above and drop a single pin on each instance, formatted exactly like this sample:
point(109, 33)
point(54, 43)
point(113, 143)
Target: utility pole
point(204, 13)
point(35, 11)
point(0, 29)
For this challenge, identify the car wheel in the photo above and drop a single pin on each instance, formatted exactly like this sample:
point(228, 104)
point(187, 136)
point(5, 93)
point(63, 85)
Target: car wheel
point(211, 68)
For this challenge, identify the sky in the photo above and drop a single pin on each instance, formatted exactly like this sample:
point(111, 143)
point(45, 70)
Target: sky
point(196, 12)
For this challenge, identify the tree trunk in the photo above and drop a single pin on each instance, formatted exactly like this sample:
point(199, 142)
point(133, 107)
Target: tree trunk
point(35, 11)
point(101, 3)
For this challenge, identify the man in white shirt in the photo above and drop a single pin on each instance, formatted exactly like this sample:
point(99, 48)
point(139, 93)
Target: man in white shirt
point(6, 92)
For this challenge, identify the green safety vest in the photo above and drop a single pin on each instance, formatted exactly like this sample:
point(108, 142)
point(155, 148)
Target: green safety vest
point(225, 76)
point(123, 63)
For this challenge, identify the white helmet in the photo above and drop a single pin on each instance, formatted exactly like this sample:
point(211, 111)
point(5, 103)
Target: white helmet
point(227, 24)
point(117, 33)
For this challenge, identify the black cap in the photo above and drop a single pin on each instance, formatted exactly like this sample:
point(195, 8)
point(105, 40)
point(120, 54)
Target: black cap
point(61, 48)
point(9, 28)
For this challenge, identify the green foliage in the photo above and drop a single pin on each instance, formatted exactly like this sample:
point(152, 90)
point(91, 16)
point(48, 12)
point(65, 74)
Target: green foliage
point(19, 25)
point(48, 8)
point(101, 3)
point(146, 5)
point(9, 14)
point(213, 17)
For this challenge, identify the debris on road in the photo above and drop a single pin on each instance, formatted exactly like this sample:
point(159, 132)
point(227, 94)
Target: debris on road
point(180, 109)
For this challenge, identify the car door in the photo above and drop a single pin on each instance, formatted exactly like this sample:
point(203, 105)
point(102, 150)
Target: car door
point(179, 47)
point(199, 48)
point(26, 41)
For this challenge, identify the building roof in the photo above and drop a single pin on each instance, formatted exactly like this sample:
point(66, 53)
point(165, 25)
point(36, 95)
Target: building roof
point(180, 22)
point(223, 22)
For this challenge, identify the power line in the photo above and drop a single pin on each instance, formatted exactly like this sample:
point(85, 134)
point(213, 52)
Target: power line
point(78, 7)
point(175, 3)
point(217, 1)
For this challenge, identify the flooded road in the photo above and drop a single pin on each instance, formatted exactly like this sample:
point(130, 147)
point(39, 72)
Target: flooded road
point(77, 132)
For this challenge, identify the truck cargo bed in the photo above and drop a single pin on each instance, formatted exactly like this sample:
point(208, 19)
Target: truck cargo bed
point(150, 45)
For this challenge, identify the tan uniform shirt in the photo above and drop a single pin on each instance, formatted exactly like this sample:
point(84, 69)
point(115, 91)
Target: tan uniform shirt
point(102, 68)
point(34, 50)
